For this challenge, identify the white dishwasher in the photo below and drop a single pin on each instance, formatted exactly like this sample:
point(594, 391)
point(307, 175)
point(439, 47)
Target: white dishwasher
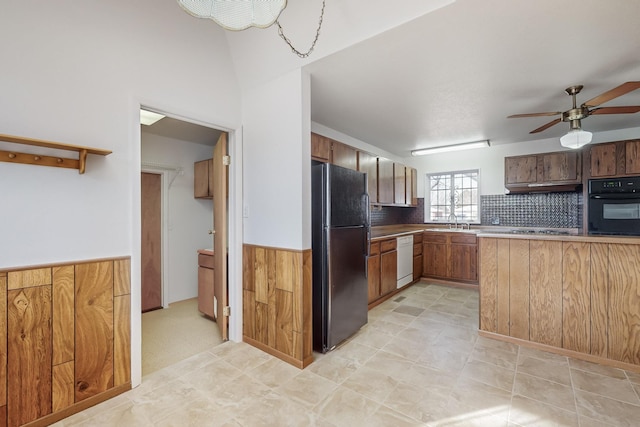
point(405, 260)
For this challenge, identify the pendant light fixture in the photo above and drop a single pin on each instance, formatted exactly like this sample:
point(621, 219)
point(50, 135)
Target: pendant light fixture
point(576, 137)
point(237, 15)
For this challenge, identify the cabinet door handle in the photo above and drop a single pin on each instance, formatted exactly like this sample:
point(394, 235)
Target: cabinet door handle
point(212, 231)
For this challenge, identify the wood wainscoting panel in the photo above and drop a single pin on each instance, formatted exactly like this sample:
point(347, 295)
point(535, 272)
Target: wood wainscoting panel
point(624, 303)
point(599, 316)
point(488, 283)
point(63, 317)
point(277, 305)
point(519, 292)
point(29, 354)
point(29, 278)
point(545, 292)
point(63, 394)
point(94, 329)
point(3, 415)
point(3, 344)
point(503, 307)
point(121, 277)
point(284, 321)
point(576, 296)
point(121, 340)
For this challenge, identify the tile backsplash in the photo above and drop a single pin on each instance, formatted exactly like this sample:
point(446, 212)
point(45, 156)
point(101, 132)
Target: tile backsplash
point(390, 215)
point(552, 210)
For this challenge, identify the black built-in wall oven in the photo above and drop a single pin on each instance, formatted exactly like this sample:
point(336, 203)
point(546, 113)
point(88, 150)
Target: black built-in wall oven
point(614, 206)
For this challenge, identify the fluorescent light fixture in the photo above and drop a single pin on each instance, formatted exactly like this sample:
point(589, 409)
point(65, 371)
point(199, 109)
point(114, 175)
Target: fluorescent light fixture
point(454, 147)
point(149, 117)
point(576, 138)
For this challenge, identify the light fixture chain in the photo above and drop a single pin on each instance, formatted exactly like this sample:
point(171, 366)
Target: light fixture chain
point(313, 45)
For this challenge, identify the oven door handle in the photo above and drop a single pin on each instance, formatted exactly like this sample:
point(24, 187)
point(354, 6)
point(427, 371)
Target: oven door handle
point(614, 196)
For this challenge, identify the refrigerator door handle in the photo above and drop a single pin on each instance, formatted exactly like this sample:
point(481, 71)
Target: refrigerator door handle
point(367, 224)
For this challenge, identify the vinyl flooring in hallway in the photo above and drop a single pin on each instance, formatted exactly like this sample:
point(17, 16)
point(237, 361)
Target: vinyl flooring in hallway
point(418, 362)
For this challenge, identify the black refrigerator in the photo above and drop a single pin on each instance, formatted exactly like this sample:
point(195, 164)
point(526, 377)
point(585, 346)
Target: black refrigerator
point(340, 245)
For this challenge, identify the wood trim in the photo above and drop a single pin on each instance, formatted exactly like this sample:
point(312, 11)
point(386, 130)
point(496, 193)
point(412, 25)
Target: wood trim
point(80, 406)
point(300, 364)
point(62, 264)
point(561, 351)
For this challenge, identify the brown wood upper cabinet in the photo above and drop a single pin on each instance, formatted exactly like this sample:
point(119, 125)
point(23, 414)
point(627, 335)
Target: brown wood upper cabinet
point(368, 163)
point(203, 179)
point(400, 184)
point(557, 171)
point(612, 159)
point(386, 181)
point(412, 186)
point(327, 150)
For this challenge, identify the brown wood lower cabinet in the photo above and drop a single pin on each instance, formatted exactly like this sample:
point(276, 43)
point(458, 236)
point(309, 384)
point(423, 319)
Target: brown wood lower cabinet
point(205, 285)
point(66, 329)
point(417, 256)
point(582, 297)
point(451, 256)
point(382, 266)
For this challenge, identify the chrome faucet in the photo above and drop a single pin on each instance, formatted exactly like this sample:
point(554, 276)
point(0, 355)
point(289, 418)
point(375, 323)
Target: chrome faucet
point(455, 219)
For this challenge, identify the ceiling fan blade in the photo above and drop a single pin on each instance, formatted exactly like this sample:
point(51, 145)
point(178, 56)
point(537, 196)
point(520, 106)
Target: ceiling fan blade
point(515, 116)
point(629, 109)
point(613, 93)
point(547, 126)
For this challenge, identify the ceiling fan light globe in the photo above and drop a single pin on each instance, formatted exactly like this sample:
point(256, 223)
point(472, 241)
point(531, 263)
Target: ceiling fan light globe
point(576, 138)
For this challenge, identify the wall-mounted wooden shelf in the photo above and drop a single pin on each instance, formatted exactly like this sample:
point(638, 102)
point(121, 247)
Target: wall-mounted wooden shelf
point(36, 159)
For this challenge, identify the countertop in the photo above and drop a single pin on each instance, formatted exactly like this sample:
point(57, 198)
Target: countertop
point(568, 234)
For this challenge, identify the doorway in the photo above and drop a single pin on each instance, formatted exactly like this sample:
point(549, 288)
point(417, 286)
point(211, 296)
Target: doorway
point(179, 330)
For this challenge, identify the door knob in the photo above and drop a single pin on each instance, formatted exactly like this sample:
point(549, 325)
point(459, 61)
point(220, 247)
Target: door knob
point(212, 231)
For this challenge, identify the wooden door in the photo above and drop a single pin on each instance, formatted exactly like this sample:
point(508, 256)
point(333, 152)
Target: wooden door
point(151, 241)
point(220, 194)
point(560, 167)
point(632, 157)
point(389, 272)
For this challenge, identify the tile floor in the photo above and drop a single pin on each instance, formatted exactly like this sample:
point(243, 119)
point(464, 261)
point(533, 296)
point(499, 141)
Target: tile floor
point(418, 362)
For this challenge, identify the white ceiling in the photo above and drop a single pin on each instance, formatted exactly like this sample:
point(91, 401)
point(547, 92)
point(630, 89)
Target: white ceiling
point(455, 74)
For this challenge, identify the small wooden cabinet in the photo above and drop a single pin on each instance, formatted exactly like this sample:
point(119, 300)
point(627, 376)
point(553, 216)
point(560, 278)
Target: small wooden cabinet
point(327, 150)
point(399, 184)
point(613, 159)
point(205, 285)
point(382, 267)
point(560, 171)
point(450, 256)
point(203, 179)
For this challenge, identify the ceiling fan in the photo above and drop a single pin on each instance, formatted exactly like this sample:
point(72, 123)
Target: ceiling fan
point(577, 137)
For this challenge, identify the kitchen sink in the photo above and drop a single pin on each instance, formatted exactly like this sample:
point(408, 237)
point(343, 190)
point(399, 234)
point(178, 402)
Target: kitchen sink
point(452, 230)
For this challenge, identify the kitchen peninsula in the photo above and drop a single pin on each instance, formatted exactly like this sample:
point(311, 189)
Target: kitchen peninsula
point(573, 295)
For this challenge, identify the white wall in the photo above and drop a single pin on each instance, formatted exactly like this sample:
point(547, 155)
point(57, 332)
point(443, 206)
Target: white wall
point(276, 137)
point(490, 161)
point(188, 219)
point(77, 72)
